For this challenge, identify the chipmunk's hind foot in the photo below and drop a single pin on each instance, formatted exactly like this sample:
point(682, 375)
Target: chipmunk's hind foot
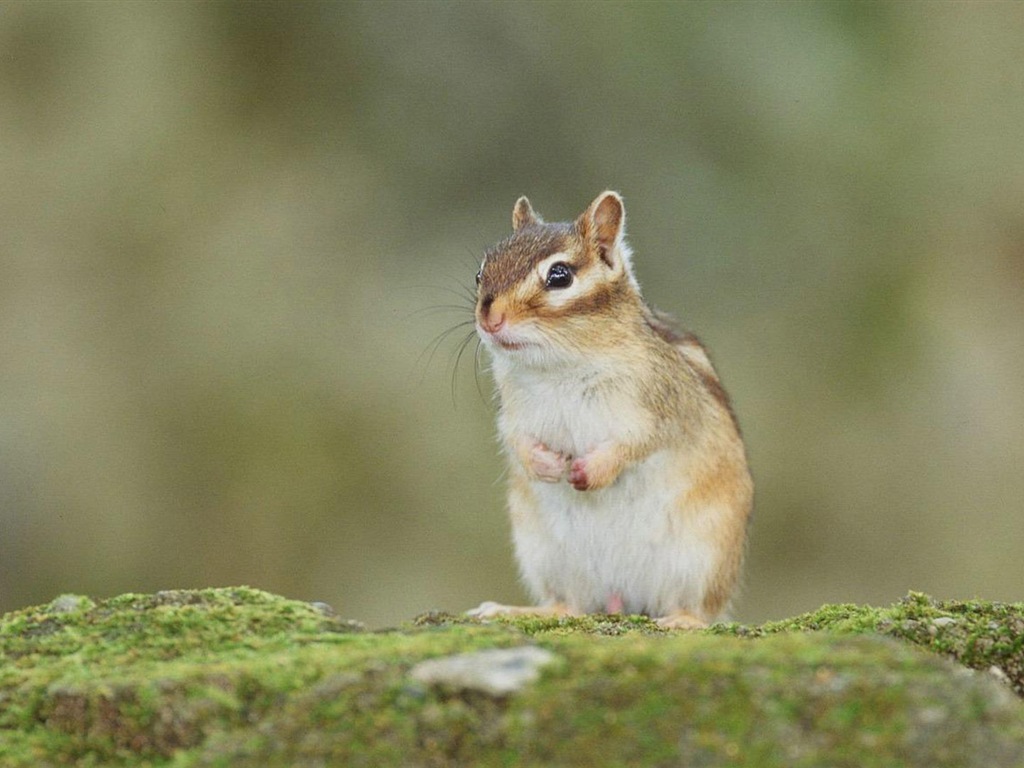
point(490, 610)
point(680, 620)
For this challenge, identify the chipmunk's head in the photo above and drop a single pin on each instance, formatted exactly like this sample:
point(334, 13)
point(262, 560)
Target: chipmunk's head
point(549, 291)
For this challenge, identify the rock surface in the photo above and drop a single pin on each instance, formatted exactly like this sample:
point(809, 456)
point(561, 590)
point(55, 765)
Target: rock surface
point(238, 677)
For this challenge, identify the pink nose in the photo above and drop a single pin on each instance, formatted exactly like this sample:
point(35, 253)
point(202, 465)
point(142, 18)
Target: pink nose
point(491, 324)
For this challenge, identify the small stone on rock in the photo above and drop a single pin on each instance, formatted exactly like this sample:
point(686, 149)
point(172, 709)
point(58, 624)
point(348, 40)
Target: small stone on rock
point(496, 672)
point(70, 604)
point(1000, 675)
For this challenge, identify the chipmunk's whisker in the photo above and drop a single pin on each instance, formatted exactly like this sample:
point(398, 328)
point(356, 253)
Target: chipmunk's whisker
point(432, 347)
point(458, 357)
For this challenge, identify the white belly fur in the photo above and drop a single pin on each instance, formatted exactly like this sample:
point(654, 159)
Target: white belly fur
point(627, 540)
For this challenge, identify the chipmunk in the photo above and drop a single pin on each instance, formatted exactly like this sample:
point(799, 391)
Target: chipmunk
point(629, 488)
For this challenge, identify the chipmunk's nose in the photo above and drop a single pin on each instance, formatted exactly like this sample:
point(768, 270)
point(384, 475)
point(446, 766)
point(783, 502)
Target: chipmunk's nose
point(492, 322)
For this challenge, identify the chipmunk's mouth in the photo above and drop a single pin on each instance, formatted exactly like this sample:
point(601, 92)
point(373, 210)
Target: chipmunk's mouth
point(509, 344)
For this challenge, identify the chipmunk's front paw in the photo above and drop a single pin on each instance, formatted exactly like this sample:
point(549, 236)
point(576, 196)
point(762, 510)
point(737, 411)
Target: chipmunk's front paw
point(595, 470)
point(546, 464)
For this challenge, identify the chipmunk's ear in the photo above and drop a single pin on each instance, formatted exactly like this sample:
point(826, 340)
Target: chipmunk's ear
point(603, 225)
point(523, 214)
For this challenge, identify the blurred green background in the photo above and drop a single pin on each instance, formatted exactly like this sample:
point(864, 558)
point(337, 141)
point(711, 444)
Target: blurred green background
point(228, 233)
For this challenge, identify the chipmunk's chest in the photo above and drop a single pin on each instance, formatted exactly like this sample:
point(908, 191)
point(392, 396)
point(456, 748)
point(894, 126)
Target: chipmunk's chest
point(571, 414)
point(621, 549)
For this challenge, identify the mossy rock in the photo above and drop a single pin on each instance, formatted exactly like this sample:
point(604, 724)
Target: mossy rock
point(239, 677)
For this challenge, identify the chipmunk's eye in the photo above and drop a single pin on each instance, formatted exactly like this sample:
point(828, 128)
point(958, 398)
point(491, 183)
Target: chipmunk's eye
point(559, 276)
point(479, 275)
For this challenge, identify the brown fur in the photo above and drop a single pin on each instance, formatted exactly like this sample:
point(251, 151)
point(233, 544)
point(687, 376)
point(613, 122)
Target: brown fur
point(513, 259)
point(723, 484)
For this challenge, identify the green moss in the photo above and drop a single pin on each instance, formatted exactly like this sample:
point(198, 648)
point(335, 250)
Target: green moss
point(595, 624)
point(237, 677)
point(978, 634)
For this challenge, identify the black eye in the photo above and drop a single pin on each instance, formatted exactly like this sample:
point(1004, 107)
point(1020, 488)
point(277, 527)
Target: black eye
point(479, 275)
point(559, 276)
